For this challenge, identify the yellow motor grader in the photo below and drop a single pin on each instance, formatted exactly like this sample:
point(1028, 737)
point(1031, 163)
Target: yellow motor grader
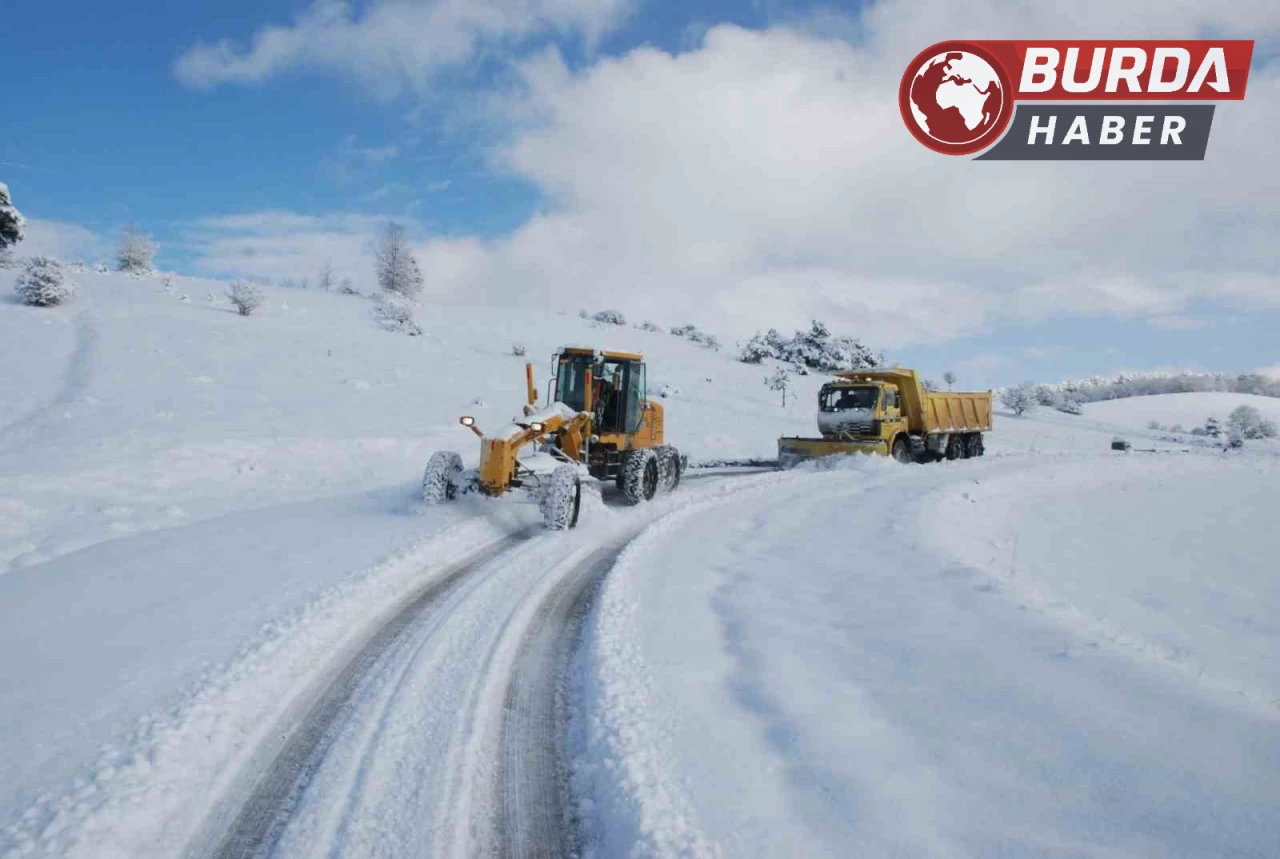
point(596, 424)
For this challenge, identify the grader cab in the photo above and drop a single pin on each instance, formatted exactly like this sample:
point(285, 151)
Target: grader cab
point(597, 424)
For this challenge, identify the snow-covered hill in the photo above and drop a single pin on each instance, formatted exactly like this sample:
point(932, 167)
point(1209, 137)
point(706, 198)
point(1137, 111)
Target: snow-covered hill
point(197, 509)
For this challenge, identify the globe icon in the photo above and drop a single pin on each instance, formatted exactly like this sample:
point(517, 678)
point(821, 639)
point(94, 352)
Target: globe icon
point(956, 97)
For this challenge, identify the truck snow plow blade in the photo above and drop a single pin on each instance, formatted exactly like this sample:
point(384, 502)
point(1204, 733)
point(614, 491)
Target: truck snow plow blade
point(796, 450)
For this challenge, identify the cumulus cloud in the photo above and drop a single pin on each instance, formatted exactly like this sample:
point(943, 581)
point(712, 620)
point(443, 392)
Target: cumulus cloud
point(393, 45)
point(277, 246)
point(765, 177)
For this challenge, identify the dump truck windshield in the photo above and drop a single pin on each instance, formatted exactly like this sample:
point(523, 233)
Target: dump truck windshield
point(844, 399)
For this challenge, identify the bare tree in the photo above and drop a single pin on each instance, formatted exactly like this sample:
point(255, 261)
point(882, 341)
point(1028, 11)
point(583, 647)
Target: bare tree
point(396, 268)
point(325, 281)
point(950, 378)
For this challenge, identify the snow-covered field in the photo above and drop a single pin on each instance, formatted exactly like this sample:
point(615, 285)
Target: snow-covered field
point(1055, 651)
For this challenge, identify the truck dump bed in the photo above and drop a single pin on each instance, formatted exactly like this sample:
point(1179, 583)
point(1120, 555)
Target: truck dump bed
point(957, 412)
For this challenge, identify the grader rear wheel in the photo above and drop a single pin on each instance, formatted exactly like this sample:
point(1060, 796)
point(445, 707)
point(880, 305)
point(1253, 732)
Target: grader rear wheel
point(640, 476)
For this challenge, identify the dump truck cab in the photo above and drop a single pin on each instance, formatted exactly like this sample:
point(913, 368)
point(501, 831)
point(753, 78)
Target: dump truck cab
point(888, 411)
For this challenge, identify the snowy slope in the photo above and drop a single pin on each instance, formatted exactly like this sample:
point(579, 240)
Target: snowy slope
point(177, 482)
point(1032, 656)
point(1189, 410)
point(200, 512)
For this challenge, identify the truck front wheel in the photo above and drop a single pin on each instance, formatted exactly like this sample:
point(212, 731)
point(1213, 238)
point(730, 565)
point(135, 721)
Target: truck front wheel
point(901, 450)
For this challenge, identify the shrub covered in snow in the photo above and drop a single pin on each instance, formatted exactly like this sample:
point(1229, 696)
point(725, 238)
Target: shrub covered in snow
point(1069, 403)
point(1019, 400)
point(694, 334)
point(650, 326)
point(609, 317)
point(136, 253)
point(667, 391)
point(396, 314)
point(247, 297)
point(12, 224)
point(1248, 423)
point(347, 287)
point(397, 270)
point(1213, 428)
point(518, 350)
point(43, 284)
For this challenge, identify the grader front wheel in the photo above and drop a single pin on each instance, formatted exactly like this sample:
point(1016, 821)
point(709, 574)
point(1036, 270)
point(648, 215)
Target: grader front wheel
point(561, 499)
point(443, 477)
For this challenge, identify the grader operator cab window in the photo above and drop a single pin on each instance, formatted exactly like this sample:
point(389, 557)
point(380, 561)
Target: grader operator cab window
point(844, 399)
point(619, 393)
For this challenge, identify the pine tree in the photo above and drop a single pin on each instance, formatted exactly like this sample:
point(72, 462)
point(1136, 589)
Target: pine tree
point(12, 224)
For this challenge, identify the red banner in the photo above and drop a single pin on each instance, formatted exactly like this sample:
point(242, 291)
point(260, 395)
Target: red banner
point(1115, 70)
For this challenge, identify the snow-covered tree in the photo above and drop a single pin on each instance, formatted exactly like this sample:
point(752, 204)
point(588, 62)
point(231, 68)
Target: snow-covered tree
point(755, 350)
point(325, 281)
point(396, 268)
point(929, 385)
point(43, 284)
point(247, 297)
point(1247, 422)
point(1213, 428)
point(816, 349)
point(1070, 404)
point(950, 378)
point(137, 252)
point(1019, 400)
point(12, 224)
point(347, 287)
point(396, 313)
point(779, 381)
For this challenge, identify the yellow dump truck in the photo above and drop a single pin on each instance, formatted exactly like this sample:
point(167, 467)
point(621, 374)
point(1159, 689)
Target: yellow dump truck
point(890, 413)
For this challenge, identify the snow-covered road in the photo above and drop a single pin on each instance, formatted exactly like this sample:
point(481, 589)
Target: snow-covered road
point(829, 668)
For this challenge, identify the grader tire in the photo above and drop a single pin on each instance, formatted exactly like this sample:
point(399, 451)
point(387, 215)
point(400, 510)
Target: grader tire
point(670, 468)
point(640, 476)
point(561, 499)
point(442, 478)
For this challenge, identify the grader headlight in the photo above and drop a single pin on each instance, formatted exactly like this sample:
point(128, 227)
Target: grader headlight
point(467, 421)
point(537, 426)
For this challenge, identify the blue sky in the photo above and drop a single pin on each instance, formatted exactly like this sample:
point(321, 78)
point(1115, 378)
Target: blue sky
point(696, 160)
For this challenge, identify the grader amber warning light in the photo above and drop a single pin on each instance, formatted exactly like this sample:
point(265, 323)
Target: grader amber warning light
point(597, 425)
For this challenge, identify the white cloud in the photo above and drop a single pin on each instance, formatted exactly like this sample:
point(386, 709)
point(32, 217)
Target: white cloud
point(765, 177)
point(277, 246)
point(394, 45)
point(63, 241)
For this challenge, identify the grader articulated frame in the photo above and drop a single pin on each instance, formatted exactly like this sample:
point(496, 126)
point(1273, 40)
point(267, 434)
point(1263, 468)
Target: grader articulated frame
point(597, 424)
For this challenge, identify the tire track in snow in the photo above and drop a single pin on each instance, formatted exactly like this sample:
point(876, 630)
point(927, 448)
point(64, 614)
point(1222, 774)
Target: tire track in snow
point(257, 824)
point(74, 381)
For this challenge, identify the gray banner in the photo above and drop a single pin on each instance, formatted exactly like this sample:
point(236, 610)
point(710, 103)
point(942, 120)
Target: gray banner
point(1094, 132)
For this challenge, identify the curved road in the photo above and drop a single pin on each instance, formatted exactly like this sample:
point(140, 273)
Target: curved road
point(443, 735)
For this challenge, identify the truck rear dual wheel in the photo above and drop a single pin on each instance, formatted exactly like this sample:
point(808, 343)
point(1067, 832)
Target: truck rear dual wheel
point(973, 445)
